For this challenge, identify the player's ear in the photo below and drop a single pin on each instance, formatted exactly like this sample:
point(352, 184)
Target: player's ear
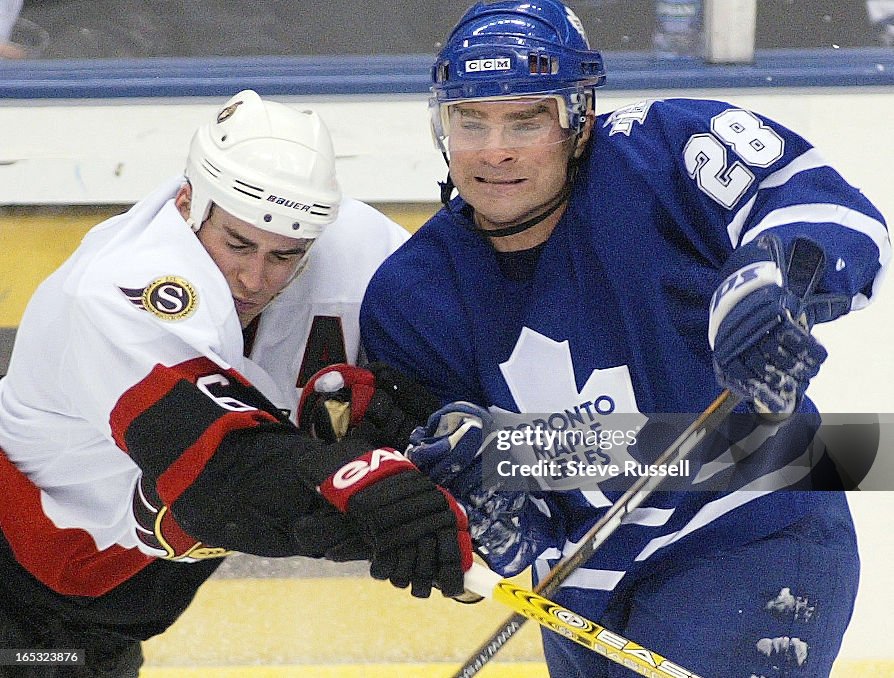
point(183, 200)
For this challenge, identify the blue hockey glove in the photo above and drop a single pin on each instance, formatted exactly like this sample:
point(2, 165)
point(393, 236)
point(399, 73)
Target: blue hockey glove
point(759, 325)
point(448, 448)
point(507, 528)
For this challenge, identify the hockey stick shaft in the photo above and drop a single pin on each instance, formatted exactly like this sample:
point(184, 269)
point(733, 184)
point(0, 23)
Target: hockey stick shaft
point(638, 492)
point(563, 621)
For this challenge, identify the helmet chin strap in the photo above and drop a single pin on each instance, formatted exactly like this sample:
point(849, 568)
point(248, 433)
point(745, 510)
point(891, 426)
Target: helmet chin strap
point(447, 188)
point(560, 200)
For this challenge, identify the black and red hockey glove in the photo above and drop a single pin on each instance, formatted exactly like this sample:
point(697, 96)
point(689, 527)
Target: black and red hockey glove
point(378, 404)
point(418, 533)
point(327, 533)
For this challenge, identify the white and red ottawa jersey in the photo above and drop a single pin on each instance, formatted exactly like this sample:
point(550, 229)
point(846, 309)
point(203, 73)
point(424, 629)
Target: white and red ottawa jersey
point(128, 385)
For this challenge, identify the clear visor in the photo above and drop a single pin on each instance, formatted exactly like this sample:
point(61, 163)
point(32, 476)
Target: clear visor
point(478, 124)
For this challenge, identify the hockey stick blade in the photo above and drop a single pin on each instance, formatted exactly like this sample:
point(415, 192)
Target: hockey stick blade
point(563, 621)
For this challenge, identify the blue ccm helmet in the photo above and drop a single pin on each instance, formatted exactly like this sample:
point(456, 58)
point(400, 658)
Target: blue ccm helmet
point(511, 49)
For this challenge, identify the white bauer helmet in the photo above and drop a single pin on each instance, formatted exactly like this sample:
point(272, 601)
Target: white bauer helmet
point(265, 163)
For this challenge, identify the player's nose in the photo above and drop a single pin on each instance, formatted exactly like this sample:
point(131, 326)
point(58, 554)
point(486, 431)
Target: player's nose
point(252, 275)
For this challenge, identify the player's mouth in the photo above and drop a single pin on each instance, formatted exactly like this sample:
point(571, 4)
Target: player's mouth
point(244, 306)
point(498, 182)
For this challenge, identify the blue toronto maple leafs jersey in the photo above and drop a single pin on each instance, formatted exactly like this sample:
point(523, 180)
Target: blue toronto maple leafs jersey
point(613, 317)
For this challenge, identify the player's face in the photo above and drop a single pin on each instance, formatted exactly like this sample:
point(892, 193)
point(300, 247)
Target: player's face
point(508, 159)
point(257, 264)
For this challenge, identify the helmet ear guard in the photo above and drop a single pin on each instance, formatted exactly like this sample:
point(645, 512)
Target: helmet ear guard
point(267, 164)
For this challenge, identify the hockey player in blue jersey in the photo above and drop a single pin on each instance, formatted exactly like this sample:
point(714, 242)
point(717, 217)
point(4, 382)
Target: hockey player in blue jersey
point(631, 261)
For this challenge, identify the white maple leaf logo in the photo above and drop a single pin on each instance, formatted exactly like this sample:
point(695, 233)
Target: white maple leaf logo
point(540, 376)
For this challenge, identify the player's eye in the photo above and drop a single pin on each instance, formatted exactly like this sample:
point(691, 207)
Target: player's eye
point(471, 126)
point(528, 126)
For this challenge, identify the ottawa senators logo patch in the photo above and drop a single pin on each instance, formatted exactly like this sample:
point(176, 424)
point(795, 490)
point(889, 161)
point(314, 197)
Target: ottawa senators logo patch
point(167, 298)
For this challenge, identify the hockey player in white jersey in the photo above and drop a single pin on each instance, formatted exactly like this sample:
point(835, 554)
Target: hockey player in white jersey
point(138, 442)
